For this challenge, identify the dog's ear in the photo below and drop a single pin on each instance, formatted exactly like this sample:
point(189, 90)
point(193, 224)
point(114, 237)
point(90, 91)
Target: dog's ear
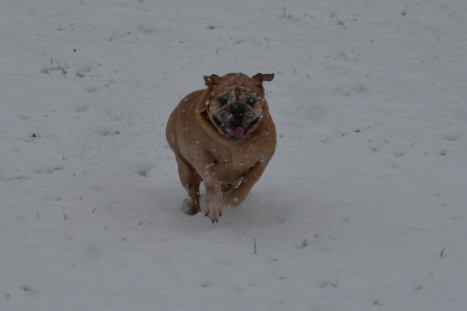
point(259, 78)
point(211, 80)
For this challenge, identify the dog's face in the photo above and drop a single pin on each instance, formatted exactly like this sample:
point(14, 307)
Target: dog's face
point(235, 103)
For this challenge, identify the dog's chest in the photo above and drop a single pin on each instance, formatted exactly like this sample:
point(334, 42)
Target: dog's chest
point(231, 164)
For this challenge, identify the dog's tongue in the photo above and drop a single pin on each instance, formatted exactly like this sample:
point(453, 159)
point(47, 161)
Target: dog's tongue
point(237, 132)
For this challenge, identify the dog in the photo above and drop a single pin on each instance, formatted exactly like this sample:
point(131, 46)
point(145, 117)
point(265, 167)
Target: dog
point(223, 136)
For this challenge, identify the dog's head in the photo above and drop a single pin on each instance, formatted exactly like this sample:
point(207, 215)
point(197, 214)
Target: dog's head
point(235, 103)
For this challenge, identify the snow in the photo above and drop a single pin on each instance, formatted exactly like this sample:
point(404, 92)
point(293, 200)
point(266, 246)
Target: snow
point(363, 206)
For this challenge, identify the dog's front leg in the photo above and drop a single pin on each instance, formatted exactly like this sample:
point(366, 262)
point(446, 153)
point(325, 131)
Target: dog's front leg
point(238, 194)
point(214, 204)
point(213, 201)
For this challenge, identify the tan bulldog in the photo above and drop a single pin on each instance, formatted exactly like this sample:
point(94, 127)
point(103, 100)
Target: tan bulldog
point(223, 136)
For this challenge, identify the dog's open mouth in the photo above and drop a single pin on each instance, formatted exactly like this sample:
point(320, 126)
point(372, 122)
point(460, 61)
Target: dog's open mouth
point(233, 132)
point(236, 132)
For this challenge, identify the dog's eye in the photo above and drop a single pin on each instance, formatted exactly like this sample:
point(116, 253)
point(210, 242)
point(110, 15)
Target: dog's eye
point(250, 101)
point(223, 100)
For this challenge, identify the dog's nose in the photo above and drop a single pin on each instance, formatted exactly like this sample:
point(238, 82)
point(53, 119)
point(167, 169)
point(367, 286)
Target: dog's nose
point(237, 112)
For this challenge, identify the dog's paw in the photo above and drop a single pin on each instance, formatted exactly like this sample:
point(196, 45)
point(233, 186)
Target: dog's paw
point(189, 208)
point(214, 214)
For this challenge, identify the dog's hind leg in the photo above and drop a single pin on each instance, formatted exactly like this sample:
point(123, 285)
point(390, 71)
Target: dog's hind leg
point(190, 180)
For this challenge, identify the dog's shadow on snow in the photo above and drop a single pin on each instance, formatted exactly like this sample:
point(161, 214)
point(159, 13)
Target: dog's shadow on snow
point(164, 206)
point(262, 208)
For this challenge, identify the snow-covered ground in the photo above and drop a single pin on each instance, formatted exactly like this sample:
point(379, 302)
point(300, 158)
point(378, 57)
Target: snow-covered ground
point(363, 207)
